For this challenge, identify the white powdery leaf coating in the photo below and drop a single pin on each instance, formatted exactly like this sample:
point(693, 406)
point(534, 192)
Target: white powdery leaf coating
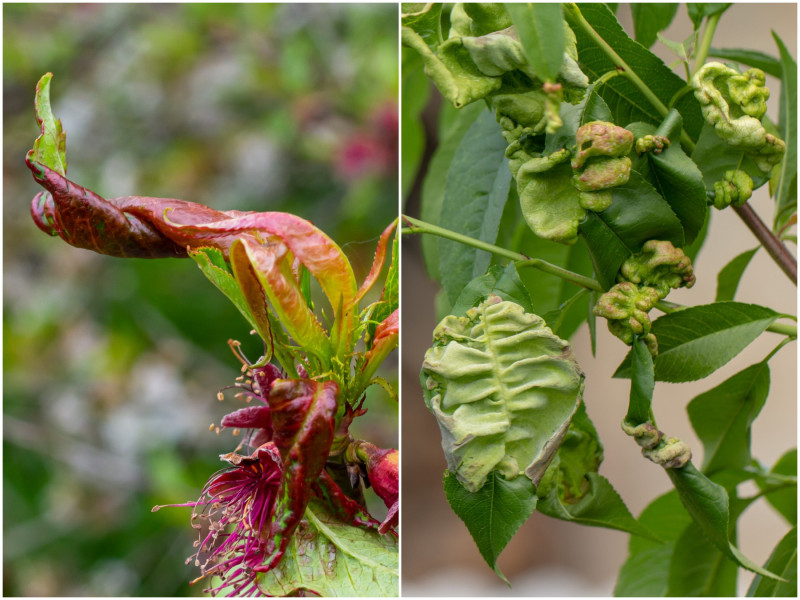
point(503, 389)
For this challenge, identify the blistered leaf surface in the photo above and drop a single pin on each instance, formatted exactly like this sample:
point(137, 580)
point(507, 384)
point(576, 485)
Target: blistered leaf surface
point(503, 389)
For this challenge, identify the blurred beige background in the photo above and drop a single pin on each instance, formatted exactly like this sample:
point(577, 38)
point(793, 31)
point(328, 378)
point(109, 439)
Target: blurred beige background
point(549, 557)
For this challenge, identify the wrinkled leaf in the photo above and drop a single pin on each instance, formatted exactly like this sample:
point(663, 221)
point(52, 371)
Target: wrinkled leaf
point(541, 31)
point(474, 197)
point(50, 148)
point(651, 18)
point(503, 389)
point(731, 274)
point(492, 514)
point(331, 558)
point(695, 342)
point(722, 417)
point(713, 156)
point(424, 19)
point(782, 561)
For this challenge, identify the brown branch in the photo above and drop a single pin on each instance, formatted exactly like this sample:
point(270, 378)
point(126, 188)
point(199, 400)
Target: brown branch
point(779, 253)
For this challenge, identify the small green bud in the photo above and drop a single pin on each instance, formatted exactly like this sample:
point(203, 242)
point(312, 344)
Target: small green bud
point(659, 265)
point(651, 143)
point(735, 189)
point(625, 306)
point(600, 138)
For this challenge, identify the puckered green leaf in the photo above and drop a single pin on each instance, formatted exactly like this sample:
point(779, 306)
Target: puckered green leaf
point(722, 417)
point(492, 514)
point(786, 194)
point(330, 558)
point(424, 19)
point(503, 389)
point(782, 561)
point(475, 194)
point(627, 103)
point(50, 148)
point(651, 18)
point(695, 342)
point(714, 157)
point(550, 203)
point(541, 31)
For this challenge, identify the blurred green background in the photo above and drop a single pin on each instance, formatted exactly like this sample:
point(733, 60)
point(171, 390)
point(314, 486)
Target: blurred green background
point(111, 366)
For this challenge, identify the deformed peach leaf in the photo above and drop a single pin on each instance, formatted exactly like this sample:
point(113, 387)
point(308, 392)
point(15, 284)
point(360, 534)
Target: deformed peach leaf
point(50, 148)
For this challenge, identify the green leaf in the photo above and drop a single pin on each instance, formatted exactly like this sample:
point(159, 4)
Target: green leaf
point(782, 561)
point(642, 384)
point(722, 417)
point(434, 184)
point(784, 500)
point(591, 108)
point(646, 570)
point(212, 264)
point(786, 193)
point(696, 341)
point(698, 568)
point(649, 19)
point(680, 182)
point(494, 513)
point(475, 194)
point(602, 506)
point(731, 274)
point(700, 10)
point(541, 31)
point(503, 389)
point(500, 281)
point(637, 214)
point(415, 91)
point(627, 103)
point(751, 58)
point(707, 503)
point(50, 148)
point(330, 558)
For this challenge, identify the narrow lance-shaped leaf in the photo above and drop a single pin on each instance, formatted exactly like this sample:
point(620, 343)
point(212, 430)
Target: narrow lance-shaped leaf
point(731, 274)
point(651, 18)
point(695, 342)
point(541, 31)
point(642, 384)
point(386, 337)
point(303, 413)
point(707, 503)
point(751, 58)
point(722, 417)
point(783, 561)
point(699, 569)
point(786, 194)
point(264, 272)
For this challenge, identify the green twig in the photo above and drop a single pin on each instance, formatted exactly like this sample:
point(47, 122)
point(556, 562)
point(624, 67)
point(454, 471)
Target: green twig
point(705, 42)
point(417, 226)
